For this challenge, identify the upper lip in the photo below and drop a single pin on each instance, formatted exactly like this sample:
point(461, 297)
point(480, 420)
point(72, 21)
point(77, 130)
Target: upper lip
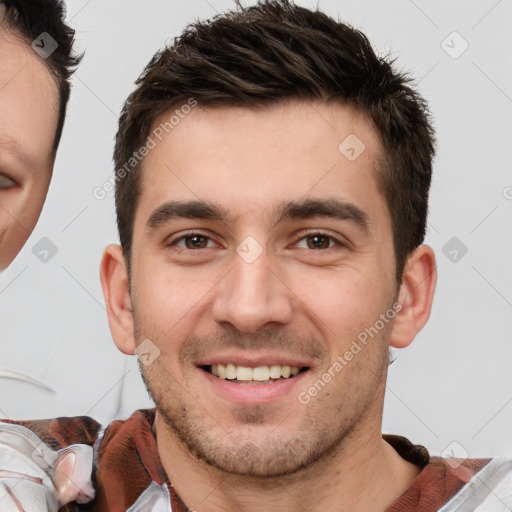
point(253, 360)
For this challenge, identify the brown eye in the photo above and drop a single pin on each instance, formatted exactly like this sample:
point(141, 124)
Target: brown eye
point(6, 182)
point(196, 242)
point(318, 242)
point(192, 242)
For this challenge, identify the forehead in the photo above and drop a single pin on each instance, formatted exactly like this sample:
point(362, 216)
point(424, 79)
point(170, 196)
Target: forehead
point(29, 100)
point(250, 160)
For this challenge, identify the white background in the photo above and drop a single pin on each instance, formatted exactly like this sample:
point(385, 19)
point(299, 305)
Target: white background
point(453, 384)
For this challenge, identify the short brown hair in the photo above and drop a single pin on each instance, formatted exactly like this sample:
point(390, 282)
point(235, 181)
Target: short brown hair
point(29, 19)
point(274, 51)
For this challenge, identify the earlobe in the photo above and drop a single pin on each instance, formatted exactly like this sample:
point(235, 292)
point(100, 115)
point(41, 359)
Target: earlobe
point(415, 296)
point(116, 290)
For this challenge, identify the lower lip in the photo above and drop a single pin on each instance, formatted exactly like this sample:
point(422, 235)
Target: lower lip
point(251, 394)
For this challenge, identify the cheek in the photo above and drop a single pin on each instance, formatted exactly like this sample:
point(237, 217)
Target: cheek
point(19, 212)
point(31, 205)
point(169, 301)
point(342, 303)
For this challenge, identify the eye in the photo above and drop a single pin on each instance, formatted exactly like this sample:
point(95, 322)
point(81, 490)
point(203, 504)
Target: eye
point(318, 241)
point(192, 241)
point(6, 182)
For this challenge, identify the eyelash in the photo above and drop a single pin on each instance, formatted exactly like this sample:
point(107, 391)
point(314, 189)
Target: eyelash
point(173, 243)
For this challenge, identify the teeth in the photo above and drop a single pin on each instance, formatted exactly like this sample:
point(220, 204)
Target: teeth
point(243, 373)
point(260, 373)
point(231, 372)
point(275, 371)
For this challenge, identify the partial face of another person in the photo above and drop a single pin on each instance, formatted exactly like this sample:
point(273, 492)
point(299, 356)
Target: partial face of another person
point(260, 247)
point(29, 104)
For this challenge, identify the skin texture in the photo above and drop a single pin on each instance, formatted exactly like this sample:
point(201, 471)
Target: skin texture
point(296, 302)
point(28, 120)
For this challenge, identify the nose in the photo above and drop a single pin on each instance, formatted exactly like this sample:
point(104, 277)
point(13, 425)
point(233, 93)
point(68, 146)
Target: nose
point(252, 295)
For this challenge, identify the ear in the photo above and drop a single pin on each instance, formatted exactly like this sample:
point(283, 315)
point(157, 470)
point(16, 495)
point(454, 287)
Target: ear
point(116, 290)
point(415, 296)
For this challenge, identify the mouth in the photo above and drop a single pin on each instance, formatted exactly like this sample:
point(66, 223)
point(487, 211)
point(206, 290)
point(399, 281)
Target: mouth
point(238, 374)
point(253, 378)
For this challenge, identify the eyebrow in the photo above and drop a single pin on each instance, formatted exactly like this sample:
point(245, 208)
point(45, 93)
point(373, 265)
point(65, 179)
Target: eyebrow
point(331, 208)
point(293, 210)
point(187, 210)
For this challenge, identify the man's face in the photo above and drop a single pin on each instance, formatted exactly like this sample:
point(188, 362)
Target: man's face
point(29, 104)
point(283, 260)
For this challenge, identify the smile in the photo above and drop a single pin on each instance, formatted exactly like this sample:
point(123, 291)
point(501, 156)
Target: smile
point(266, 374)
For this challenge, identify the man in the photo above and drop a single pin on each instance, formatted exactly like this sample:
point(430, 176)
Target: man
point(36, 64)
point(272, 177)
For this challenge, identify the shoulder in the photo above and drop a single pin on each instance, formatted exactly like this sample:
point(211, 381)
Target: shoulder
point(439, 481)
point(451, 484)
point(488, 490)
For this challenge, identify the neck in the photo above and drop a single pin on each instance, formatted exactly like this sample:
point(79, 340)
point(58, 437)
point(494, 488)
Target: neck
point(365, 474)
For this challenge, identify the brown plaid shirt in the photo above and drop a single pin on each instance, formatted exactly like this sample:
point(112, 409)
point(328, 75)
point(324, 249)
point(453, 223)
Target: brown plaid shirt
point(127, 461)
